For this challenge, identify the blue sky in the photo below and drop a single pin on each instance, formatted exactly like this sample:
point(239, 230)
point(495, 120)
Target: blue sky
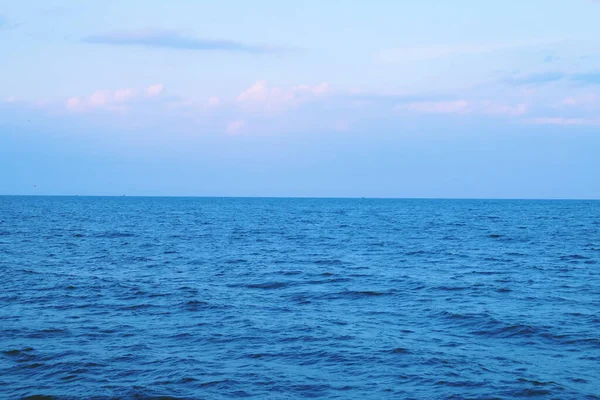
point(380, 98)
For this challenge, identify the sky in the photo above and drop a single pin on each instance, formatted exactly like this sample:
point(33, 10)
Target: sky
point(312, 98)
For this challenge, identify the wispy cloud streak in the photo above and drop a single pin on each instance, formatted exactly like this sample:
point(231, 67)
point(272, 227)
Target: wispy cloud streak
point(174, 40)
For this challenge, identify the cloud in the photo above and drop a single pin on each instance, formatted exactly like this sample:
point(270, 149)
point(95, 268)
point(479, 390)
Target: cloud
point(264, 108)
point(236, 126)
point(154, 90)
point(100, 99)
point(261, 97)
point(75, 104)
point(11, 99)
point(174, 40)
point(426, 53)
point(117, 100)
point(438, 107)
point(124, 95)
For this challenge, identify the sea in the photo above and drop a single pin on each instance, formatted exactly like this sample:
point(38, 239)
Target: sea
point(274, 298)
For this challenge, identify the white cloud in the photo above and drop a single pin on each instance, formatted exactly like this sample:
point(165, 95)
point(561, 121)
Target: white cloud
point(438, 107)
point(124, 95)
point(214, 101)
point(257, 92)
point(154, 90)
point(102, 100)
point(261, 97)
point(236, 126)
point(11, 99)
point(75, 104)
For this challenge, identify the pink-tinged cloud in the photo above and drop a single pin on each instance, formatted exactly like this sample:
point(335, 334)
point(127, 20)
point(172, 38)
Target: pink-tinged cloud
point(438, 107)
point(75, 104)
point(578, 101)
point(261, 97)
point(116, 100)
point(236, 126)
point(100, 98)
point(124, 95)
point(154, 90)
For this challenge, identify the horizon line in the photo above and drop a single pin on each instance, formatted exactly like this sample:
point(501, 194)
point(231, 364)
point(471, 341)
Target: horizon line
point(306, 197)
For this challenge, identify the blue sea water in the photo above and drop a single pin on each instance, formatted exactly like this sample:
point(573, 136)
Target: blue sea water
point(210, 298)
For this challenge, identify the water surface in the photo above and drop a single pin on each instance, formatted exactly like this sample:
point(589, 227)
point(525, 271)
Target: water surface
point(299, 298)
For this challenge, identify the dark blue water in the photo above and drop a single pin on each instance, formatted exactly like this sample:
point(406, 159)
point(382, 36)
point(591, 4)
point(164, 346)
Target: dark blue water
point(299, 298)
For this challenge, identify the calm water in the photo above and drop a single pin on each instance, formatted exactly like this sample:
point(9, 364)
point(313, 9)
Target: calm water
point(299, 298)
